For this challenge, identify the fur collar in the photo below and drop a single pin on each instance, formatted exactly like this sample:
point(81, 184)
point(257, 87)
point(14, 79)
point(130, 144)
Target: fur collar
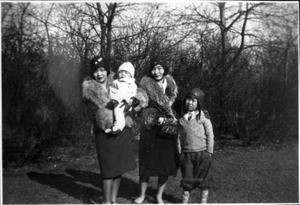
point(98, 97)
point(155, 92)
point(94, 92)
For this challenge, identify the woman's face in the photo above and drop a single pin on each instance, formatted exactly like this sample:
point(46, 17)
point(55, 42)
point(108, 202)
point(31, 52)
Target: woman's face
point(100, 75)
point(191, 104)
point(158, 72)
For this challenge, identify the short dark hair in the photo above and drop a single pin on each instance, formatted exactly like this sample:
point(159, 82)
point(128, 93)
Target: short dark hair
point(98, 62)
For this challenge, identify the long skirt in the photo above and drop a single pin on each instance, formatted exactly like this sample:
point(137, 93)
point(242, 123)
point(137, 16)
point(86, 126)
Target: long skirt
point(115, 153)
point(158, 155)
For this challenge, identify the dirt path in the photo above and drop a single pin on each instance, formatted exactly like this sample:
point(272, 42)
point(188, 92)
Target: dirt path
point(241, 176)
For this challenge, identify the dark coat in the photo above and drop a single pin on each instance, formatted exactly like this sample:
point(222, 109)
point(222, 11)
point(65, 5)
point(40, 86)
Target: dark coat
point(115, 153)
point(158, 155)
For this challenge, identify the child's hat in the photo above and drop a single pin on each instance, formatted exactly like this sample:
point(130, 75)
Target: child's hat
point(127, 66)
point(195, 93)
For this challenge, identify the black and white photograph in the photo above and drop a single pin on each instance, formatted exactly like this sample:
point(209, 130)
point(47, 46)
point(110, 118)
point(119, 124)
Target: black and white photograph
point(149, 102)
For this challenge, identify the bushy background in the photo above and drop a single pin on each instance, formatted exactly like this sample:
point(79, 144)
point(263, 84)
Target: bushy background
point(250, 76)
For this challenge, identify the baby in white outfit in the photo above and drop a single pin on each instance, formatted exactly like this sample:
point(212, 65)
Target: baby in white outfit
point(122, 91)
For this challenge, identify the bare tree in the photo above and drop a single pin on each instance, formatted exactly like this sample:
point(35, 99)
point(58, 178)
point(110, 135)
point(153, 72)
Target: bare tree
point(43, 14)
point(102, 20)
point(227, 25)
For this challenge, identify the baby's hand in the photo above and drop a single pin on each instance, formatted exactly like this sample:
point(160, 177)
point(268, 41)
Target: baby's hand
point(130, 101)
point(160, 120)
point(134, 102)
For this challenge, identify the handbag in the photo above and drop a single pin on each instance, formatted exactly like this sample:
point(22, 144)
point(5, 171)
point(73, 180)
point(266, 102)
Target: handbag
point(169, 128)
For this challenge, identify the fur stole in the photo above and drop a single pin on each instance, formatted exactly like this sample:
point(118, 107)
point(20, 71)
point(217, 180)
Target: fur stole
point(97, 99)
point(155, 93)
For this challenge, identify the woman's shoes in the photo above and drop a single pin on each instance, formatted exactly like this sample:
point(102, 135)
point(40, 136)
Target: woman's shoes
point(159, 201)
point(139, 200)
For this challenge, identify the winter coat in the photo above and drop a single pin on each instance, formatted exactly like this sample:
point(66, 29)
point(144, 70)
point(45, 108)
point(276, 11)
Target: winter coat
point(123, 89)
point(156, 94)
point(97, 99)
point(114, 151)
point(158, 155)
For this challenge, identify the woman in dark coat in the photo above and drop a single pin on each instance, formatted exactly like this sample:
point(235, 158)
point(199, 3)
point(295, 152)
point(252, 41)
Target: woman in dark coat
point(115, 153)
point(157, 151)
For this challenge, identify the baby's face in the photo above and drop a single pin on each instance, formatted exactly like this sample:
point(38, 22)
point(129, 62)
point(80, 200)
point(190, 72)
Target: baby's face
point(123, 74)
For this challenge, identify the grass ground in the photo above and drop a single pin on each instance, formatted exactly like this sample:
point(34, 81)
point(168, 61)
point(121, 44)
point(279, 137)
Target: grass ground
point(241, 175)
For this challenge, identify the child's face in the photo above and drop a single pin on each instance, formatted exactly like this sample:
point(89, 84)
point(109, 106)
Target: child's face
point(124, 74)
point(191, 104)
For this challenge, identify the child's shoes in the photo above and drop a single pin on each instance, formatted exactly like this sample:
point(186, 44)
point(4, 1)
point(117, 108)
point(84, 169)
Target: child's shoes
point(204, 196)
point(185, 197)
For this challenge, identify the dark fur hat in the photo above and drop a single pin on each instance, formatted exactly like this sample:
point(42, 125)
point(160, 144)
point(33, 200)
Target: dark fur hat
point(98, 62)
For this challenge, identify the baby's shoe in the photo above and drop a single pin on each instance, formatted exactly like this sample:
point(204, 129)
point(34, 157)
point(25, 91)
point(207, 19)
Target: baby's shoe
point(115, 130)
point(107, 130)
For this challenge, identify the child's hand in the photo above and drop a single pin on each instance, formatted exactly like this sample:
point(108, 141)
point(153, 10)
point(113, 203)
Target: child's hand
point(160, 120)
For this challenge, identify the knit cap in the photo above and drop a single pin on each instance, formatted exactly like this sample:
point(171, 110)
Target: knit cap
point(127, 66)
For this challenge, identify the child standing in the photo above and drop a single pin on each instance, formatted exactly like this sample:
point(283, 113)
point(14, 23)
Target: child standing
point(196, 142)
point(122, 91)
